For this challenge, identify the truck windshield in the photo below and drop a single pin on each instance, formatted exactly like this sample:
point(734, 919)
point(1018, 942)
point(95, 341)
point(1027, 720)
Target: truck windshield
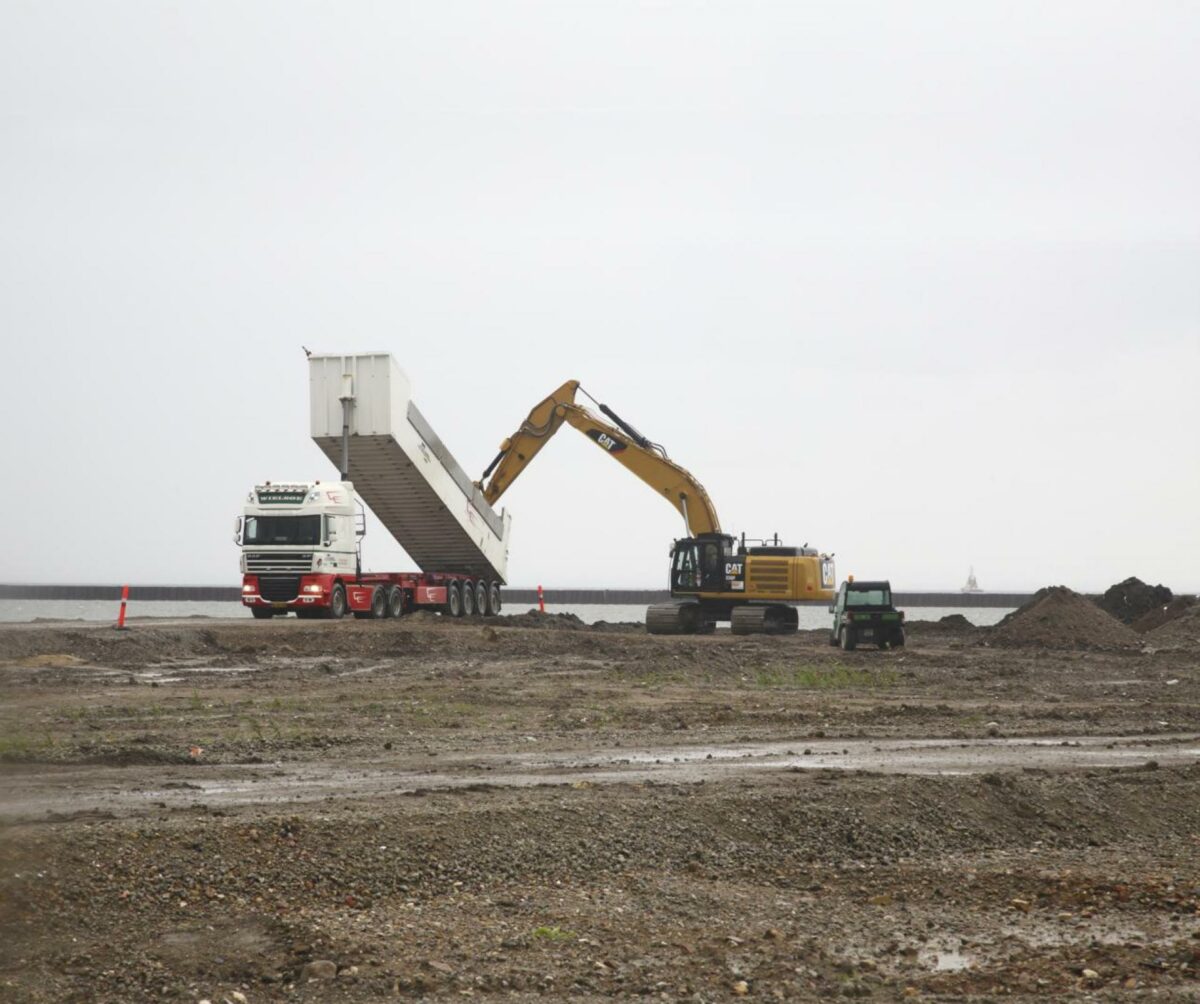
point(868, 598)
point(282, 530)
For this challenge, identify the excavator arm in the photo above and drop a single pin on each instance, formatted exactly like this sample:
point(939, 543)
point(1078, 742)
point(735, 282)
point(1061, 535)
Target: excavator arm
point(618, 439)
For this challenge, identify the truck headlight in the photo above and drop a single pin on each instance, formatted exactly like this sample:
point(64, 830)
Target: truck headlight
point(247, 588)
point(312, 587)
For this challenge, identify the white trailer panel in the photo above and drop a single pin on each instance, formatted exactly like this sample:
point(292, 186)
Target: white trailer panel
point(402, 470)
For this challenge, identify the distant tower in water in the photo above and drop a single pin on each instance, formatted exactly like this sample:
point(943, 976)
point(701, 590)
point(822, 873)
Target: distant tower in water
point(972, 586)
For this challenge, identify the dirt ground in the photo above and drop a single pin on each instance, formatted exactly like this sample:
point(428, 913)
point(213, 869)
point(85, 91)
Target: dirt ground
point(529, 809)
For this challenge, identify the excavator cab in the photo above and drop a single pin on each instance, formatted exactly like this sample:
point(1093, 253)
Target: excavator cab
point(698, 564)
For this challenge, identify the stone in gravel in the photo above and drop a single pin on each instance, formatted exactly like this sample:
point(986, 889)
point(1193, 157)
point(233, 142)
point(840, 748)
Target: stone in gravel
point(741, 988)
point(319, 969)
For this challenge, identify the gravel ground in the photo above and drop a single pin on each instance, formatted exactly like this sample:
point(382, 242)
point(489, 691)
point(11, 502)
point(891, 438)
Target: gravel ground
point(610, 870)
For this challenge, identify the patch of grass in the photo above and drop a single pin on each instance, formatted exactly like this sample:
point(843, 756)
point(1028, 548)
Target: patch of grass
point(833, 677)
point(553, 933)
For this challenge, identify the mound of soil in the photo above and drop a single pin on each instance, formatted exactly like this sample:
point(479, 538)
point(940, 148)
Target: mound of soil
point(537, 619)
point(1058, 617)
point(1163, 615)
point(1132, 599)
point(956, 621)
point(1183, 630)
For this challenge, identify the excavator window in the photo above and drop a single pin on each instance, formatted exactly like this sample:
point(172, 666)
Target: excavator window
point(686, 572)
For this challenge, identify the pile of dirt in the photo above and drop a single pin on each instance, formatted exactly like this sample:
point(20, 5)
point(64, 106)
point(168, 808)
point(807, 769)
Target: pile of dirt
point(1182, 631)
point(956, 622)
point(1132, 599)
point(538, 619)
point(1058, 617)
point(1159, 616)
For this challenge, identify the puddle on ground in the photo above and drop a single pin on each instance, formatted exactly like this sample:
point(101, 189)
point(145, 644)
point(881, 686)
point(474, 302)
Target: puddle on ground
point(947, 960)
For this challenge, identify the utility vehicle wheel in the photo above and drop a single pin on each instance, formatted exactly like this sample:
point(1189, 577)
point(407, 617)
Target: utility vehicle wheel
point(833, 639)
point(493, 606)
point(337, 603)
point(481, 598)
point(882, 643)
point(847, 640)
point(468, 598)
point(262, 613)
point(898, 640)
point(395, 602)
point(453, 607)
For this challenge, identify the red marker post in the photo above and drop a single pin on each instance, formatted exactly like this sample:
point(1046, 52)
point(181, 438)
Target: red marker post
point(541, 600)
point(121, 615)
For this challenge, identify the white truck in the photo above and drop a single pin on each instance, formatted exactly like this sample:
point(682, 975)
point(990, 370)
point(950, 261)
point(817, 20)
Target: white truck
point(300, 540)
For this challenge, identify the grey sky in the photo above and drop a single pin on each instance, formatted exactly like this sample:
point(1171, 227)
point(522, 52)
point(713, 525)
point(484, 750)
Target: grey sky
point(917, 283)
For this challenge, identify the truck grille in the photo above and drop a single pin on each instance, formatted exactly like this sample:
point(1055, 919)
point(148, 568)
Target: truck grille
point(279, 561)
point(767, 575)
point(279, 588)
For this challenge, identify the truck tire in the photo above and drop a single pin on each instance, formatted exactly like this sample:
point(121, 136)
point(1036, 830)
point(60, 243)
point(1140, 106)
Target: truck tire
point(395, 602)
point(493, 607)
point(847, 640)
point(262, 613)
point(481, 598)
point(337, 603)
point(453, 607)
point(378, 608)
point(468, 597)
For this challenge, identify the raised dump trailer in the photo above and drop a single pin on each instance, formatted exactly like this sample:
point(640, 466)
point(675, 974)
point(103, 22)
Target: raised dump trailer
point(362, 404)
point(300, 540)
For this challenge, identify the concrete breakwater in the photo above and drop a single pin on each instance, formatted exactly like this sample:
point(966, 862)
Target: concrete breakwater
point(513, 595)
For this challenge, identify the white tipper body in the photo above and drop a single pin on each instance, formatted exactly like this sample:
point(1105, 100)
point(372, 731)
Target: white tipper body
point(332, 551)
point(402, 470)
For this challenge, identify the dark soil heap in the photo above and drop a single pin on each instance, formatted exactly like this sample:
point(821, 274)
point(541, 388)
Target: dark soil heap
point(1058, 617)
point(1159, 616)
point(1129, 600)
point(1182, 631)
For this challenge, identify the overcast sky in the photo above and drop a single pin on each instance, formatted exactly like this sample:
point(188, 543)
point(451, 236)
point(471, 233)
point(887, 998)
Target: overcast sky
point(917, 283)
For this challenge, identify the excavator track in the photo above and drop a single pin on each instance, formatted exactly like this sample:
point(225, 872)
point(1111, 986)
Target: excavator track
point(677, 618)
point(754, 619)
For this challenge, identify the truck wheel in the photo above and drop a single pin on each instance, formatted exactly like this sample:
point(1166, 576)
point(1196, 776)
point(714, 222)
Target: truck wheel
point(364, 615)
point(493, 606)
point(337, 603)
point(481, 598)
point(468, 598)
point(395, 602)
point(847, 640)
point(453, 607)
point(262, 613)
point(379, 602)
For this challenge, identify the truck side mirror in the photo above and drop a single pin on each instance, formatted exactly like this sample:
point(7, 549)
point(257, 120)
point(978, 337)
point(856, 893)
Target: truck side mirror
point(237, 530)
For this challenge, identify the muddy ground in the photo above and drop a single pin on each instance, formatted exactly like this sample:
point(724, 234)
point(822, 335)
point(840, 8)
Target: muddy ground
point(289, 811)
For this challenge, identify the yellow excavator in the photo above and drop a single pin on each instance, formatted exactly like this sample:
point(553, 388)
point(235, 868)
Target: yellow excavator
point(714, 577)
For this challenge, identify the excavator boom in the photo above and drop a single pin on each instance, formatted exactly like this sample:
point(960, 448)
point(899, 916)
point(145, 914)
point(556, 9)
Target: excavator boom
point(620, 441)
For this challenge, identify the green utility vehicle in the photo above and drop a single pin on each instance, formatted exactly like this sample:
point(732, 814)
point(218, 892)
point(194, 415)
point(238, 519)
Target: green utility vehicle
point(863, 611)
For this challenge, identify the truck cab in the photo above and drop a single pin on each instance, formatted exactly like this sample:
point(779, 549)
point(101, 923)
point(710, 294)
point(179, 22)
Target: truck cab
point(863, 611)
point(299, 540)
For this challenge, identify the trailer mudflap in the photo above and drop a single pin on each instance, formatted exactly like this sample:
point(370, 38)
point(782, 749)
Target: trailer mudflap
point(431, 595)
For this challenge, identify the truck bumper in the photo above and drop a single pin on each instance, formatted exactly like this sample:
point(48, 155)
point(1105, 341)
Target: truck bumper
point(311, 591)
